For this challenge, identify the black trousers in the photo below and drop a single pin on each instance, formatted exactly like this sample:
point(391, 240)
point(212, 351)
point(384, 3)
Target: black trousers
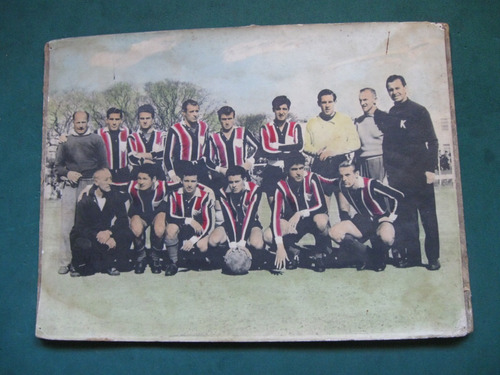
point(419, 199)
point(90, 257)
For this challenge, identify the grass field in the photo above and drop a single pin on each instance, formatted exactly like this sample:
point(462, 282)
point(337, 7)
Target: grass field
point(339, 304)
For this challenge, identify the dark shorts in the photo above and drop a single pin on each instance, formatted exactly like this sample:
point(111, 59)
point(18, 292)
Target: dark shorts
point(366, 226)
point(185, 233)
point(328, 168)
point(306, 225)
point(148, 217)
point(253, 224)
point(270, 178)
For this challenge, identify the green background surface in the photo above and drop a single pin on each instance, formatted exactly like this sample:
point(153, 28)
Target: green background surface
point(25, 26)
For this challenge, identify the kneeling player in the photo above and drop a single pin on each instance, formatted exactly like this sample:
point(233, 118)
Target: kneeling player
point(241, 228)
point(372, 221)
point(299, 208)
point(147, 209)
point(189, 219)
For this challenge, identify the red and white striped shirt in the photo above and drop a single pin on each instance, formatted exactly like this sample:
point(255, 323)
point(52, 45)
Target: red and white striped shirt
point(122, 161)
point(182, 210)
point(306, 197)
point(277, 144)
point(183, 144)
point(226, 153)
point(238, 220)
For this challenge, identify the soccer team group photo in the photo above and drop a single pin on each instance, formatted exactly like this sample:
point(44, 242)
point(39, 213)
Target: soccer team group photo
point(136, 198)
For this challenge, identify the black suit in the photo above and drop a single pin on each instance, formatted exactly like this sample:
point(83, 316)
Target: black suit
point(90, 256)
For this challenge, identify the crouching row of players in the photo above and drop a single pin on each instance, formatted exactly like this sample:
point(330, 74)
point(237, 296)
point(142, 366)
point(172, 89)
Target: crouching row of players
point(180, 217)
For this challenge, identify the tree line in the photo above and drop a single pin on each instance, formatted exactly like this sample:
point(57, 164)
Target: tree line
point(165, 96)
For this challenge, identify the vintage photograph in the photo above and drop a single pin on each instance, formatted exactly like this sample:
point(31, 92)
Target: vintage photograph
point(261, 183)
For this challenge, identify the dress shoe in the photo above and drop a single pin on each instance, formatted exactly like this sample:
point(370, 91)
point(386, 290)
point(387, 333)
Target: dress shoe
point(112, 271)
point(140, 266)
point(379, 267)
point(73, 272)
point(171, 269)
point(433, 265)
point(63, 270)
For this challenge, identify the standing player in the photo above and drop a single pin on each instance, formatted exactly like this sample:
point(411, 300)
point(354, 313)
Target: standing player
point(240, 227)
point(187, 141)
point(376, 207)
point(77, 158)
point(330, 138)
point(278, 140)
point(370, 154)
point(229, 147)
point(146, 146)
point(410, 156)
point(148, 209)
point(115, 138)
point(189, 219)
point(299, 208)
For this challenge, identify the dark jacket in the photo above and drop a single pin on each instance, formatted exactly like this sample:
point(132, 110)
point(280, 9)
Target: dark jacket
point(90, 220)
point(410, 143)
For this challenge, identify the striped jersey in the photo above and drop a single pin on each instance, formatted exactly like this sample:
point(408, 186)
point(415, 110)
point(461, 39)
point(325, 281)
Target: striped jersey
point(290, 197)
point(373, 199)
point(117, 157)
point(137, 143)
point(184, 144)
point(277, 143)
point(240, 211)
point(225, 153)
point(181, 210)
point(147, 201)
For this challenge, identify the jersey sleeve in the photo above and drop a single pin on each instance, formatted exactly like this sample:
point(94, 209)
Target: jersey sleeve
point(170, 151)
point(173, 217)
point(206, 219)
point(229, 223)
point(253, 145)
point(211, 155)
point(276, 216)
point(251, 214)
point(132, 151)
point(318, 197)
point(394, 197)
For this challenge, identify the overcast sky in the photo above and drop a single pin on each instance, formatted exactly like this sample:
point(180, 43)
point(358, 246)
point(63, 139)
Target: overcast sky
point(247, 67)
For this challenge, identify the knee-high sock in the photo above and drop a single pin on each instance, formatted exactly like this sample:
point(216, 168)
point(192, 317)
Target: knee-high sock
point(354, 245)
point(172, 249)
point(139, 244)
